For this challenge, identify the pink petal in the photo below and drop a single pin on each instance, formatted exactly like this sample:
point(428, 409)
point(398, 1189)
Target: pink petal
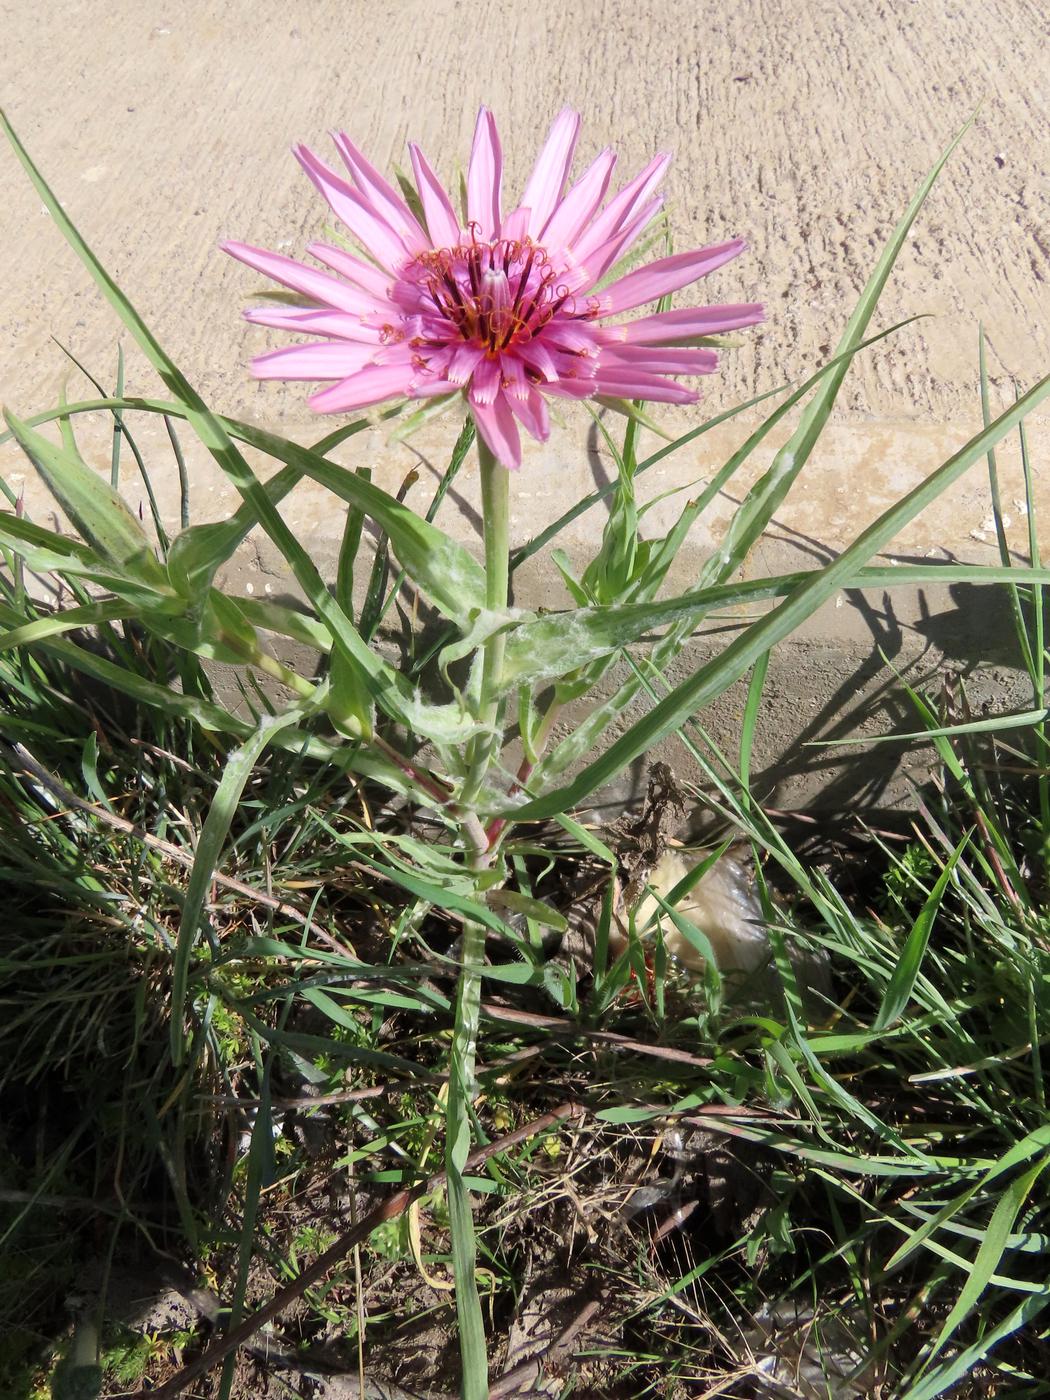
point(578, 206)
point(539, 358)
point(431, 388)
point(532, 414)
point(381, 195)
point(568, 333)
point(497, 426)
point(637, 384)
point(327, 360)
point(572, 387)
point(485, 383)
point(547, 181)
point(364, 222)
point(442, 224)
point(463, 362)
point(598, 264)
point(309, 322)
point(372, 279)
point(317, 285)
point(485, 177)
point(622, 209)
point(516, 225)
point(669, 327)
point(369, 386)
point(667, 275)
point(659, 359)
point(515, 383)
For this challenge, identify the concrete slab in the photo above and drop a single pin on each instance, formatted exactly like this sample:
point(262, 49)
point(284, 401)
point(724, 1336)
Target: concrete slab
point(805, 128)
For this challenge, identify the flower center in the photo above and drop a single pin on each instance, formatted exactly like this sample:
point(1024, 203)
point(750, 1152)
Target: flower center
point(496, 295)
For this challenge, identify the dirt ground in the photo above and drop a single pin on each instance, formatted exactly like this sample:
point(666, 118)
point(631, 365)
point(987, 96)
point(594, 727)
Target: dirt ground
point(803, 128)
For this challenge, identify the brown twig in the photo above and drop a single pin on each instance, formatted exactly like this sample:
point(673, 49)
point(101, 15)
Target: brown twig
point(526, 1372)
point(558, 1025)
point(372, 1091)
point(389, 1209)
point(675, 1220)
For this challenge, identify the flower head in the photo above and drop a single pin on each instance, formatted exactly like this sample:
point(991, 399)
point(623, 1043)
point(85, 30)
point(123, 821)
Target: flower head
point(505, 308)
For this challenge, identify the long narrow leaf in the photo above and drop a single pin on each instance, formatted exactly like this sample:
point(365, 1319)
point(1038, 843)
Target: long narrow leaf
point(213, 835)
point(714, 678)
point(898, 991)
point(762, 501)
point(991, 1251)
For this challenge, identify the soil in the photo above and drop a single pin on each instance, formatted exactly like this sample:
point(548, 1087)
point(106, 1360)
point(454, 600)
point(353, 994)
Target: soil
point(803, 128)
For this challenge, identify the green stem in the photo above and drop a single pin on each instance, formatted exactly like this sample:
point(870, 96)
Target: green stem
point(495, 506)
point(462, 1084)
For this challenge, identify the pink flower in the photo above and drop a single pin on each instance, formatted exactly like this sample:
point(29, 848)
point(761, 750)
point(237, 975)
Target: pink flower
point(506, 309)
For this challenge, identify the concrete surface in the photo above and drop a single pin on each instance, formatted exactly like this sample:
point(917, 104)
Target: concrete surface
point(804, 127)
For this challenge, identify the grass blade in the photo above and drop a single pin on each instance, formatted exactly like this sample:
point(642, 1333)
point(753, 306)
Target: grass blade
point(209, 850)
point(991, 1251)
point(762, 501)
point(898, 992)
point(711, 680)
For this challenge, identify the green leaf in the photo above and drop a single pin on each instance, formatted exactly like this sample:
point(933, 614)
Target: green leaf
point(440, 896)
point(898, 991)
point(206, 858)
point(956, 1368)
point(1036, 1141)
point(991, 1251)
point(369, 673)
point(478, 628)
point(47, 550)
point(450, 725)
point(752, 709)
point(610, 573)
point(286, 622)
point(701, 945)
point(200, 550)
point(550, 646)
point(196, 554)
point(450, 576)
point(587, 840)
point(348, 550)
point(1024, 719)
point(432, 408)
point(535, 909)
point(93, 507)
point(89, 615)
point(120, 431)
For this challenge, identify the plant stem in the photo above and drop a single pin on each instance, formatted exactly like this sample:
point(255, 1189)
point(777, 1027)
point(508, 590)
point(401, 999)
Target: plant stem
point(495, 495)
point(496, 827)
point(495, 502)
point(458, 1132)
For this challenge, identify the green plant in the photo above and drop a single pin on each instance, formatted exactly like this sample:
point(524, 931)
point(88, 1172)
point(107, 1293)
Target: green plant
point(360, 720)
